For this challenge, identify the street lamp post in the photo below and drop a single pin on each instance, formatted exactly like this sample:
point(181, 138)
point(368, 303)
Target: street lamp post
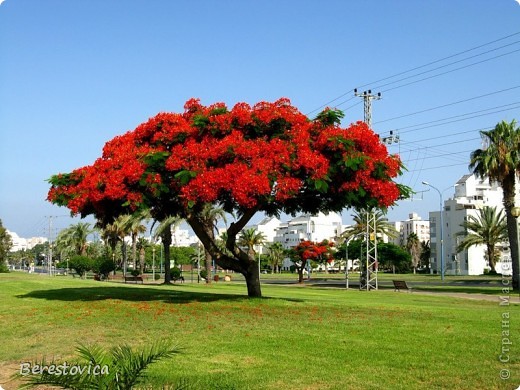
point(442, 225)
point(153, 262)
point(346, 261)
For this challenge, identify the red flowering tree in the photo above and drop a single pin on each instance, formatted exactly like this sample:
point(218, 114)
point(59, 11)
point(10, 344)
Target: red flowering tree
point(266, 158)
point(307, 251)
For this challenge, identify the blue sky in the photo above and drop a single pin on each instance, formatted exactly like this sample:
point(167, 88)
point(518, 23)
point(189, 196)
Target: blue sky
point(73, 74)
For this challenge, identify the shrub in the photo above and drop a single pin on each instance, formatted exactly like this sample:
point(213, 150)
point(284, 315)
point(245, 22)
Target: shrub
point(3, 267)
point(203, 274)
point(135, 272)
point(176, 272)
point(81, 264)
point(103, 266)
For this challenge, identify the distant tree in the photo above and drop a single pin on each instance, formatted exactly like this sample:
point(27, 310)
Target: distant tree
point(164, 231)
point(307, 251)
point(276, 253)
point(500, 162)
point(133, 224)
point(359, 228)
point(6, 244)
point(182, 254)
point(488, 228)
point(113, 234)
point(141, 245)
point(75, 238)
point(413, 246)
point(393, 258)
point(209, 216)
point(425, 255)
point(249, 239)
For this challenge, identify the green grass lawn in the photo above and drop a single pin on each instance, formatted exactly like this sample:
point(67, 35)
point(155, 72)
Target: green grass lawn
point(293, 338)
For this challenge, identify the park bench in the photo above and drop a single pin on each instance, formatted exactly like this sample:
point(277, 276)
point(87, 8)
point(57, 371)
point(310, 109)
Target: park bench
point(401, 285)
point(134, 279)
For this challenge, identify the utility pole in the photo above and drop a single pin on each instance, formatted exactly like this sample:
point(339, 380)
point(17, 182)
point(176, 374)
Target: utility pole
point(367, 100)
point(368, 275)
point(49, 254)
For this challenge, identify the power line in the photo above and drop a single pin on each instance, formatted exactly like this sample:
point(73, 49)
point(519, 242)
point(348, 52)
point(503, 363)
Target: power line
point(450, 71)
point(413, 69)
point(446, 121)
point(438, 167)
point(452, 63)
point(447, 105)
point(441, 155)
point(440, 60)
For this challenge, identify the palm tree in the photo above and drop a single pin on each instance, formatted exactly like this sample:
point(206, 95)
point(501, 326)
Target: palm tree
point(425, 254)
point(250, 238)
point(276, 254)
point(134, 226)
point(488, 228)
point(413, 246)
point(75, 238)
point(164, 231)
point(141, 245)
point(121, 367)
point(209, 217)
point(500, 162)
point(112, 234)
point(359, 229)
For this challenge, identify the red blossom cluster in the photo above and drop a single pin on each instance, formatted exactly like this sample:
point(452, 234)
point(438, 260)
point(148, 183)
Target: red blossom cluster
point(308, 250)
point(266, 156)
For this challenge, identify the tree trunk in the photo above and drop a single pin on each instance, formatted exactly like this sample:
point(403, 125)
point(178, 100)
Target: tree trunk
point(491, 258)
point(252, 277)
point(508, 186)
point(300, 272)
point(142, 259)
point(166, 238)
point(134, 250)
point(207, 261)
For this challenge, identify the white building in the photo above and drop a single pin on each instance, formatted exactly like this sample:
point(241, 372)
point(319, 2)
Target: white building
point(471, 194)
point(315, 228)
point(268, 227)
point(414, 224)
point(182, 237)
point(20, 243)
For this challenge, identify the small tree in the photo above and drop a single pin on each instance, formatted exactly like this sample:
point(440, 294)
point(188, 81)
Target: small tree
point(6, 244)
point(413, 246)
point(103, 266)
point(488, 228)
point(307, 251)
point(81, 264)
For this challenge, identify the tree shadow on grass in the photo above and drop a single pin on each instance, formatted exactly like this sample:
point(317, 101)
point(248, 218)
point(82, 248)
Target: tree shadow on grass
point(139, 294)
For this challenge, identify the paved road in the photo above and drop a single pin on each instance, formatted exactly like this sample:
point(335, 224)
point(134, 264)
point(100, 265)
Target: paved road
point(417, 287)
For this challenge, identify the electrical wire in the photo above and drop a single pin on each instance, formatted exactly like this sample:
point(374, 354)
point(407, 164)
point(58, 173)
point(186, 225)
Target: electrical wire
point(447, 105)
point(445, 121)
point(413, 69)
